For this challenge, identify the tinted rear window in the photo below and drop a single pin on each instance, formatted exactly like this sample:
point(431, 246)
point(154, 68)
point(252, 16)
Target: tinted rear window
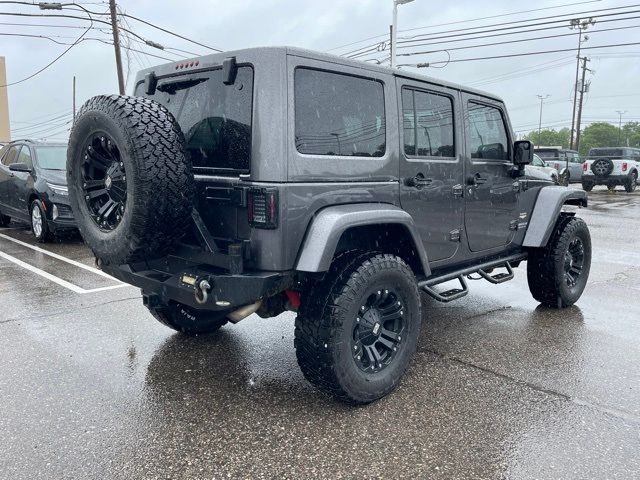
point(610, 152)
point(547, 153)
point(215, 118)
point(339, 114)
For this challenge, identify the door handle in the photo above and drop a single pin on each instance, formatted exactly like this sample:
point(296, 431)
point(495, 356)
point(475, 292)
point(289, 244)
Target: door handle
point(418, 181)
point(476, 180)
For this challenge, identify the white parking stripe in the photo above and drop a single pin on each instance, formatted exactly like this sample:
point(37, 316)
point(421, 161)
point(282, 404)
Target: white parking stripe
point(59, 281)
point(42, 273)
point(59, 257)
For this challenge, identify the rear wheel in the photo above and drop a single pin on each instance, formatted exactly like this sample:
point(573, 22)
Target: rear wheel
point(358, 327)
point(630, 184)
point(39, 223)
point(558, 273)
point(189, 320)
point(587, 186)
point(611, 188)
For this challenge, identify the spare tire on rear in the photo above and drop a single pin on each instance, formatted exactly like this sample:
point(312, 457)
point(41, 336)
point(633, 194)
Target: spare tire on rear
point(130, 178)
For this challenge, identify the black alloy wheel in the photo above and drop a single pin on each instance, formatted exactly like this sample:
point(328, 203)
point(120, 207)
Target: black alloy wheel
point(104, 181)
point(377, 333)
point(574, 262)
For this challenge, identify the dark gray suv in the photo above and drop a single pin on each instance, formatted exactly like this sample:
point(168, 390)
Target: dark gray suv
point(274, 179)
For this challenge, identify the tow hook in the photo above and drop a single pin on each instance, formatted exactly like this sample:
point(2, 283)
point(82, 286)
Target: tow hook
point(203, 288)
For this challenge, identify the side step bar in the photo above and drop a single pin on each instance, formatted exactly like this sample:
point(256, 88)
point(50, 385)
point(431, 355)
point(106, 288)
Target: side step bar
point(483, 270)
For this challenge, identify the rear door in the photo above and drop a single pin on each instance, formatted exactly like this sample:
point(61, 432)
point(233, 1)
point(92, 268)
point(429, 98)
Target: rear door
point(431, 164)
point(491, 192)
point(20, 183)
point(6, 175)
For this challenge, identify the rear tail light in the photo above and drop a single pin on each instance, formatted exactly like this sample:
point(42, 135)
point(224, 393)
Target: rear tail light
point(585, 167)
point(262, 205)
point(624, 166)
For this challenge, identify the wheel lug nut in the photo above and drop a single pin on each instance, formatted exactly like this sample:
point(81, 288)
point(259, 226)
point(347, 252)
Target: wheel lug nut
point(355, 347)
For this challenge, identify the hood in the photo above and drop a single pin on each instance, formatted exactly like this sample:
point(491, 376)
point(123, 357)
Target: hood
point(536, 174)
point(58, 177)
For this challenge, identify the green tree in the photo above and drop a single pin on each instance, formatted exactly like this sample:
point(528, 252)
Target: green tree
point(599, 134)
point(549, 138)
point(631, 134)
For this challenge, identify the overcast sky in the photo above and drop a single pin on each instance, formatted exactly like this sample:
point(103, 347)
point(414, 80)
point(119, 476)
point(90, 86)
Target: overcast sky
point(38, 106)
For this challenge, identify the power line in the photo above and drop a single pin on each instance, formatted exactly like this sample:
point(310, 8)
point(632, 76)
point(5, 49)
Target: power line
point(385, 35)
point(522, 54)
point(546, 37)
point(78, 40)
point(492, 28)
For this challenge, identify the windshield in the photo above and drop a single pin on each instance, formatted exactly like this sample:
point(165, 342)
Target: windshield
point(52, 158)
point(215, 118)
point(609, 152)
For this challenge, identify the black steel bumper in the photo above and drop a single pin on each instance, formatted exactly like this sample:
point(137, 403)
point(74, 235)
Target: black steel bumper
point(179, 283)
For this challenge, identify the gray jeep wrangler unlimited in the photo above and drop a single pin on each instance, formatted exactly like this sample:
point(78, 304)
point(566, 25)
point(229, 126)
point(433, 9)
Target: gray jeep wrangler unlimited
point(274, 179)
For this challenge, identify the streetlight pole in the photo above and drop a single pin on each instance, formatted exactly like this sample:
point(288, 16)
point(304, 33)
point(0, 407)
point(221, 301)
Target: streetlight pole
point(394, 30)
point(620, 113)
point(542, 99)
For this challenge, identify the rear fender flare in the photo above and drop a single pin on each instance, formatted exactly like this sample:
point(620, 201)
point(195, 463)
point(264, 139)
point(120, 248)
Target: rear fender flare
point(329, 224)
point(546, 211)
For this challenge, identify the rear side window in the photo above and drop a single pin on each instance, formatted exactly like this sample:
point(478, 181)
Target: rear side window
point(337, 114)
point(427, 124)
point(215, 118)
point(609, 152)
point(547, 153)
point(488, 139)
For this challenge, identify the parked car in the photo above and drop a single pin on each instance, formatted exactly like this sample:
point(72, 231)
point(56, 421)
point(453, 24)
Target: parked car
point(274, 179)
point(33, 187)
point(538, 165)
point(568, 163)
point(611, 166)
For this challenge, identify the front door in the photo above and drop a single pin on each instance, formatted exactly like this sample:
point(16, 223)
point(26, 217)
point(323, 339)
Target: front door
point(491, 192)
point(431, 165)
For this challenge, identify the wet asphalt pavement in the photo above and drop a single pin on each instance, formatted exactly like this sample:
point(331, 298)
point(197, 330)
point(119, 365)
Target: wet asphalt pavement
point(91, 386)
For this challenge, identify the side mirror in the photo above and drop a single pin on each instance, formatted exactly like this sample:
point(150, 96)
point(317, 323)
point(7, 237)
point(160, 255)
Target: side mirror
point(20, 167)
point(522, 152)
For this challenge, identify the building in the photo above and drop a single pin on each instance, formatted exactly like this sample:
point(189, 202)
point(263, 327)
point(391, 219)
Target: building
point(5, 133)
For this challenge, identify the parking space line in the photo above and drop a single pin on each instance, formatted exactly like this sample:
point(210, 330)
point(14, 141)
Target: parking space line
point(60, 257)
point(59, 281)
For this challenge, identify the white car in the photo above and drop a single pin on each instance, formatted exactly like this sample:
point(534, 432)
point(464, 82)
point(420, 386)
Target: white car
point(611, 166)
point(538, 165)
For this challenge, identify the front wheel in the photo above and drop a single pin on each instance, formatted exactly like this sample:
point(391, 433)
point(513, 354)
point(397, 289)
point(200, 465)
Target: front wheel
point(358, 327)
point(558, 273)
point(587, 186)
point(39, 223)
point(564, 178)
point(630, 184)
point(188, 320)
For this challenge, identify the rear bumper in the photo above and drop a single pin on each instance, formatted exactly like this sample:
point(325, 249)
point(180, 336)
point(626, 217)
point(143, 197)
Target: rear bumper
point(608, 180)
point(227, 292)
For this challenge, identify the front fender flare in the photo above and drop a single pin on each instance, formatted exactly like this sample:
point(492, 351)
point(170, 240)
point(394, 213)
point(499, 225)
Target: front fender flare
point(329, 224)
point(546, 211)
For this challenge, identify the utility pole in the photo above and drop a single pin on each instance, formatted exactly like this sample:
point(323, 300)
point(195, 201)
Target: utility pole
point(74, 98)
point(620, 113)
point(582, 92)
point(116, 44)
point(394, 30)
point(542, 99)
point(580, 25)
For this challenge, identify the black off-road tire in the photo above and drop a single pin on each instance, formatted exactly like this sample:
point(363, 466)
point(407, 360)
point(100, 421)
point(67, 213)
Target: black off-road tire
point(630, 184)
point(159, 178)
point(546, 266)
point(4, 220)
point(611, 188)
point(587, 186)
point(326, 325)
point(189, 320)
point(564, 178)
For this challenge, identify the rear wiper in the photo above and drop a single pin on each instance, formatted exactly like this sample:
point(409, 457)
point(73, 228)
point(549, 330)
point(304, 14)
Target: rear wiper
point(180, 84)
